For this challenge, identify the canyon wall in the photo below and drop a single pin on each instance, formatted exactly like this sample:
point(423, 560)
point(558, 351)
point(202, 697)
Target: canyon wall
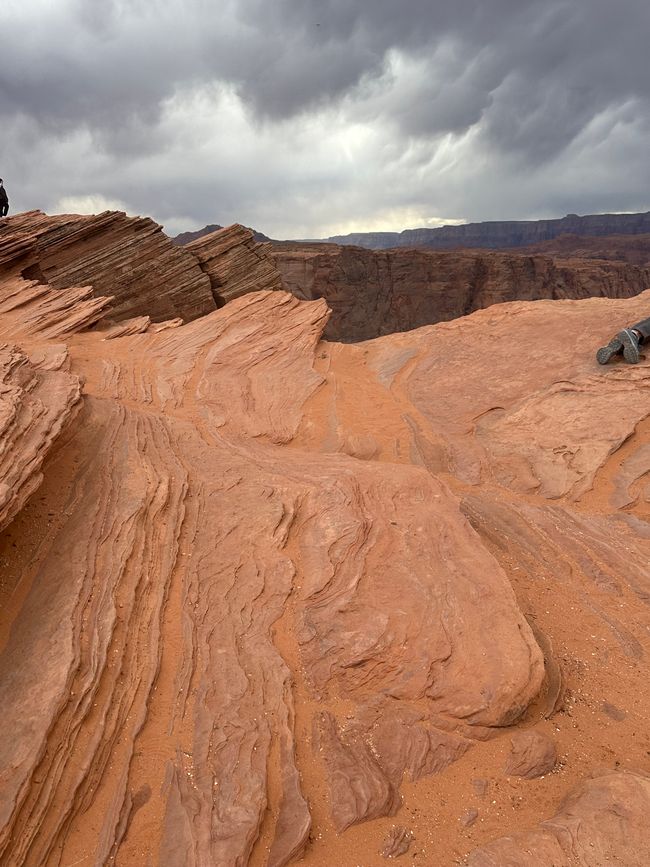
point(372, 293)
point(633, 249)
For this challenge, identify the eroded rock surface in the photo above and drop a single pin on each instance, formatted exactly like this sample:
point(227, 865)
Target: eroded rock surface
point(532, 754)
point(266, 597)
point(127, 258)
point(235, 263)
point(36, 404)
point(603, 822)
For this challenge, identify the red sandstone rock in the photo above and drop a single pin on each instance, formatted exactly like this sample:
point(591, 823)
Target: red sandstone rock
point(603, 822)
point(271, 587)
point(35, 406)
point(532, 754)
point(235, 263)
point(127, 258)
point(385, 575)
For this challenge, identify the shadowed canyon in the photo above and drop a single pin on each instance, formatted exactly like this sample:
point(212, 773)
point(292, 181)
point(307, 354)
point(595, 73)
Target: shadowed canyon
point(274, 592)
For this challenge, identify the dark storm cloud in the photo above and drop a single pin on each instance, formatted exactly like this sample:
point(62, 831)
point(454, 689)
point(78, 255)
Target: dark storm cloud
point(530, 82)
point(112, 63)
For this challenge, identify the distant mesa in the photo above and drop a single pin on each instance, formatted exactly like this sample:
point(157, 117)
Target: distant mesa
point(501, 234)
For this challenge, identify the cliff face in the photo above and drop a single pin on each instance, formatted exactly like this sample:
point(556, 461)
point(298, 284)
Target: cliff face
point(501, 234)
point(379, 292)
point(266, 597)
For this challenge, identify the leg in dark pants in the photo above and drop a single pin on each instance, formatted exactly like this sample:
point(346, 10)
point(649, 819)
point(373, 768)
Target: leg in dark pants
point(643, 328)
point(626, 341)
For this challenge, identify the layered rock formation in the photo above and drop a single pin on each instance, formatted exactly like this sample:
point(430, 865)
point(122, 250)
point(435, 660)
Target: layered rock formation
point(235, 263)
point(260, 589)
point(500, 234)
point(187, 237)
point(128, 258)
point(133, 262)
point(604, 822)
point(376, 293)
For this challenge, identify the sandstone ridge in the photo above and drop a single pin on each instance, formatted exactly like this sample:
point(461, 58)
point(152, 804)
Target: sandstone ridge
point(134, 262)
point(268, 598)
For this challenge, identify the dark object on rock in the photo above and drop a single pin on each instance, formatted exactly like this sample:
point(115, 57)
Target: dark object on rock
point(4, 200)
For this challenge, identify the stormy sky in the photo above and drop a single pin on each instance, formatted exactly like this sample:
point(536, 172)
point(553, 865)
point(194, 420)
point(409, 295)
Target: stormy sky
point(305, 118)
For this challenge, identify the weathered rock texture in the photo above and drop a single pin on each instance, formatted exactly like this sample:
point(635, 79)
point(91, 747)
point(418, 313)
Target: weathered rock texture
point(235, 263)
point(35, 406)
point(532, 754)
point(262, 589)
point(377, 293)
point(128, 258)
point(500, 234)
point(186, 237)
point(604, 822)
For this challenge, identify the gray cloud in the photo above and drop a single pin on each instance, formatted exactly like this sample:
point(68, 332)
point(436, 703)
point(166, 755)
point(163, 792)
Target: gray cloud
point(304, 117)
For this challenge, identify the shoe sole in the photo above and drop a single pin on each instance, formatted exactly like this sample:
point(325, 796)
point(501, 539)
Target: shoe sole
point(630, 347)
point(605, 353)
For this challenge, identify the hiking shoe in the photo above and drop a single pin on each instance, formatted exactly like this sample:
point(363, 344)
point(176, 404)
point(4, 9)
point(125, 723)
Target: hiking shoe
point(614, 346)
point(630, 345)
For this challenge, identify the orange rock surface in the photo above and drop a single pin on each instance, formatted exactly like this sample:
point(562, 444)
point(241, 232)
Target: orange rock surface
point(266, 597)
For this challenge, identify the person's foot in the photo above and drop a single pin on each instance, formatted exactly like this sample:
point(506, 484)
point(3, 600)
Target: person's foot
point(630, 341)
point(605, 353)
